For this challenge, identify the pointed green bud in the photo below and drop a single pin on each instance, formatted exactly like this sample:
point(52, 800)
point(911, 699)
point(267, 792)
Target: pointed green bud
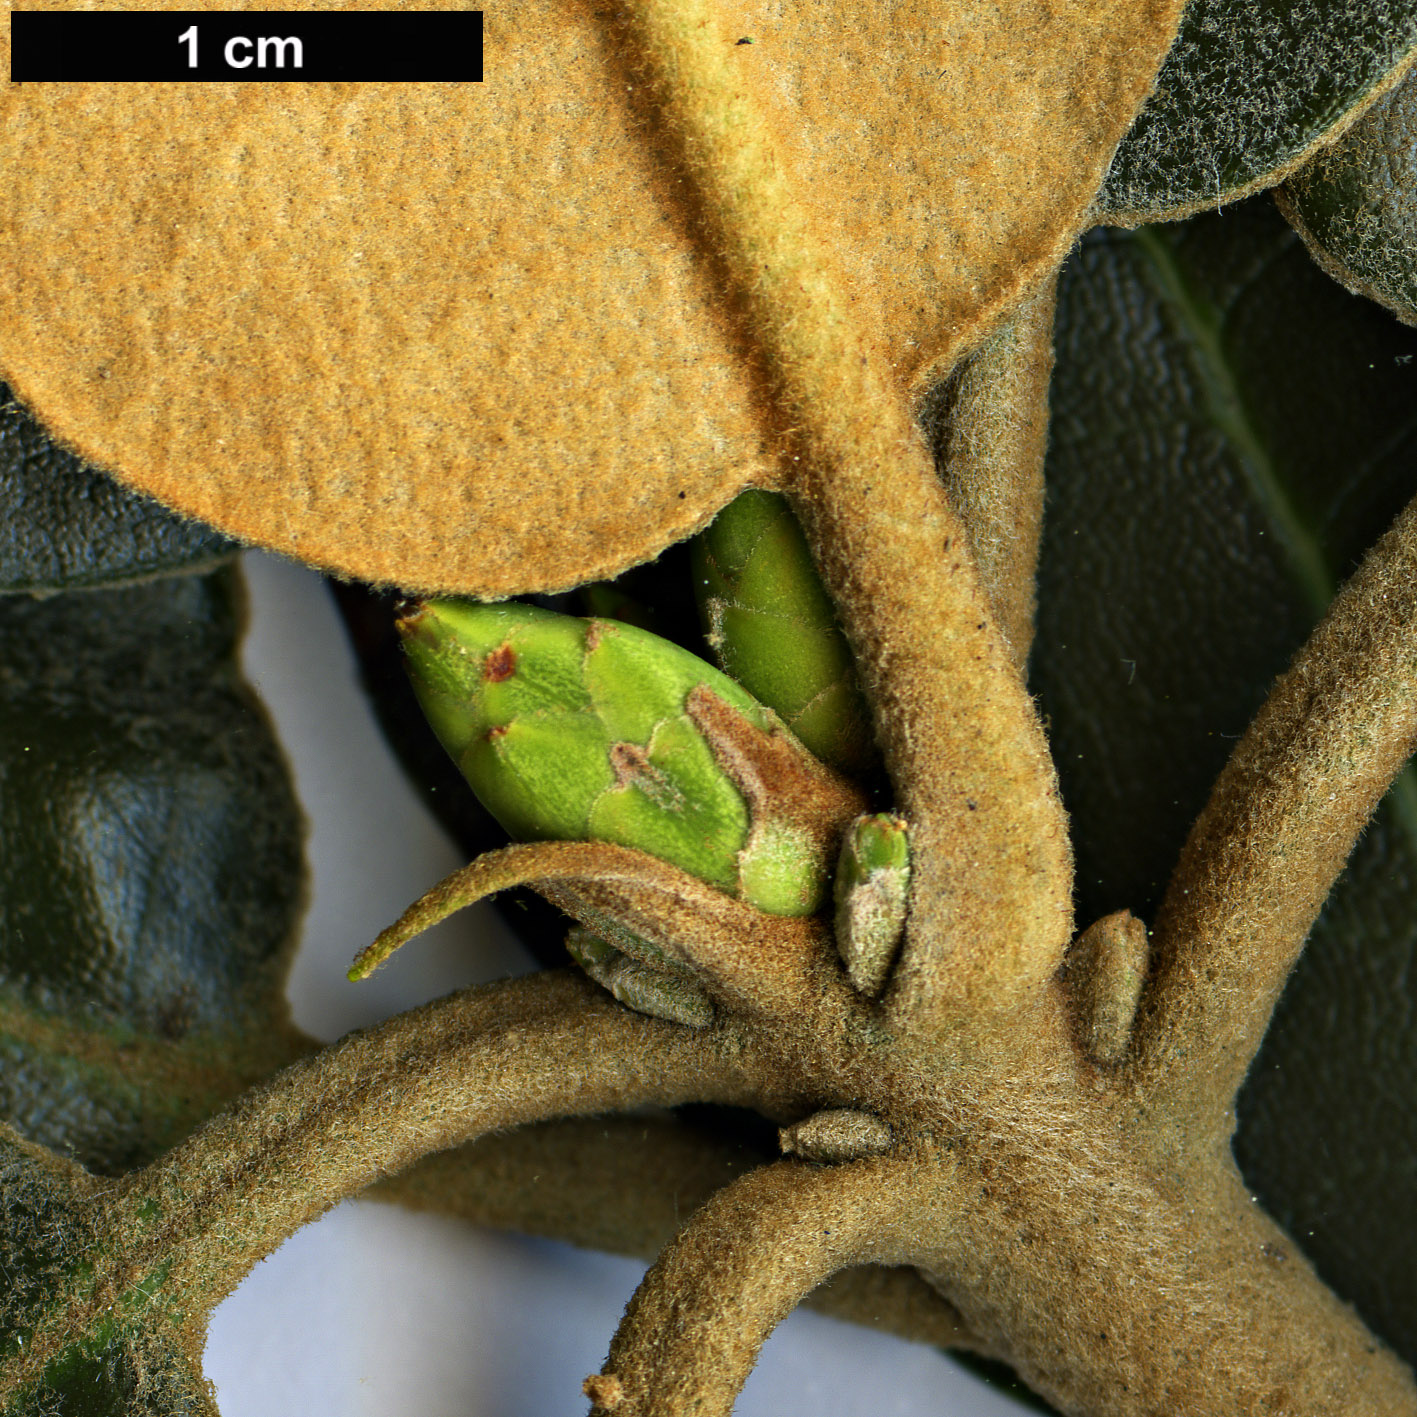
point(661, 990)
point(871, 889)
point(573, 729)
point(771, 625)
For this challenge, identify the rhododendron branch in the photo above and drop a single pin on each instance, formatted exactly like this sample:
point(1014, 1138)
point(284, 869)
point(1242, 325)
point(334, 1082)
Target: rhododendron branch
point(522, 1050)
point(625, 1184)
point(990, 431)
point(1280, 823)
point(693, 1330)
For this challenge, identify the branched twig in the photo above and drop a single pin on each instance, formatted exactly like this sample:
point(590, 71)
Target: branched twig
point(992, 899)
point(1280, 823)
point(522, 1050)
point(626, 1184)
point(693, 1330)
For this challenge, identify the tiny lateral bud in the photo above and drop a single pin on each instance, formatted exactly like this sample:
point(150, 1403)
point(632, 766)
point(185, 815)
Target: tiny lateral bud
point(605, 1390)
point(872, 888)
point(593, 954)
point(660, 989)
point(1106, 969)
point(839, 1134)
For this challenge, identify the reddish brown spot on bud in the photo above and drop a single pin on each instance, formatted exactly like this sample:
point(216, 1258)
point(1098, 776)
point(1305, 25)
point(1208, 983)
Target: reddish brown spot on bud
point(497, 730)
point(500, 664)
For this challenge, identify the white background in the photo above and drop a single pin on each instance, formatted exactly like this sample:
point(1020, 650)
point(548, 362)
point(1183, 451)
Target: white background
point(379, 1311)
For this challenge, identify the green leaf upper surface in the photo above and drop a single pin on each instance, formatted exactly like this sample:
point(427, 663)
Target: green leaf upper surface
point(64, 526)
point(151, 881)
point(1231, 430)
point(1248, 89)
point(1355, 204)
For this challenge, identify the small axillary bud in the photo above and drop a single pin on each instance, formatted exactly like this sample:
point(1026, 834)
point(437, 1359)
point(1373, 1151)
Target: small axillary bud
point(1105, 970)
point(660, 989)
point(836, 1135)
point(770, 622)
point(872, 888)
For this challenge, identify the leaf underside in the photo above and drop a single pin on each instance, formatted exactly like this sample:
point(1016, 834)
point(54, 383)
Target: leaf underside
point(495, 356)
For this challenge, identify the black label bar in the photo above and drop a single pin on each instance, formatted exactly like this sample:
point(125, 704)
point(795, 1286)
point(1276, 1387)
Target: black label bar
point(250, 46)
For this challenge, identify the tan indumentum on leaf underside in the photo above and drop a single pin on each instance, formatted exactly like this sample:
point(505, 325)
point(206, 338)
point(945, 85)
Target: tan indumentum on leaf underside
point(493, 355)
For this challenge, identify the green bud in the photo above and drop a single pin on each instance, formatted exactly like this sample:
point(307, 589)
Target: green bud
point(661, 990)
point(871, 890)
point(573, 729)
point(771, 625)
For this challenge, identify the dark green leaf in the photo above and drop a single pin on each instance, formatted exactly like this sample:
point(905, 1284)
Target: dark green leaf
point(63, 525)
point(124, 1358)
point(1231, 430)
point(1355, 204)
point(150, 885)
point(1249, 88)
point(125, 1374)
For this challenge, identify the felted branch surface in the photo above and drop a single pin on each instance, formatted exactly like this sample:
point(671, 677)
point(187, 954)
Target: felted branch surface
point(626, 1184)
point(464, 336)
point(693, 1329)
point(1281, 821)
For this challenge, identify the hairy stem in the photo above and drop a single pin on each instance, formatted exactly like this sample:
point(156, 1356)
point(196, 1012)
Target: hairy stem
point(522, 1050)
point(693, 1330)
point(989, 427)
point(625, 1184)
point(992, 896)
point(1279, 825)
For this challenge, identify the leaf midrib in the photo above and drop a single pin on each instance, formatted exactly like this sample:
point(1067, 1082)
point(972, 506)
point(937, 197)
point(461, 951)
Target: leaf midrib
point(1299, 541)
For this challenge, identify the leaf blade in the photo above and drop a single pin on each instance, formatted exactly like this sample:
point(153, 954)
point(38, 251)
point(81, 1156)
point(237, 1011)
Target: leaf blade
point(528, 290)
point(1355, 204)
point(64, 526)
point(152, 880)
point(1246, 94)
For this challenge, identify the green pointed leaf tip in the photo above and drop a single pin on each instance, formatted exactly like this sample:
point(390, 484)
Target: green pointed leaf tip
point(571, 729)
point(771, 625)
